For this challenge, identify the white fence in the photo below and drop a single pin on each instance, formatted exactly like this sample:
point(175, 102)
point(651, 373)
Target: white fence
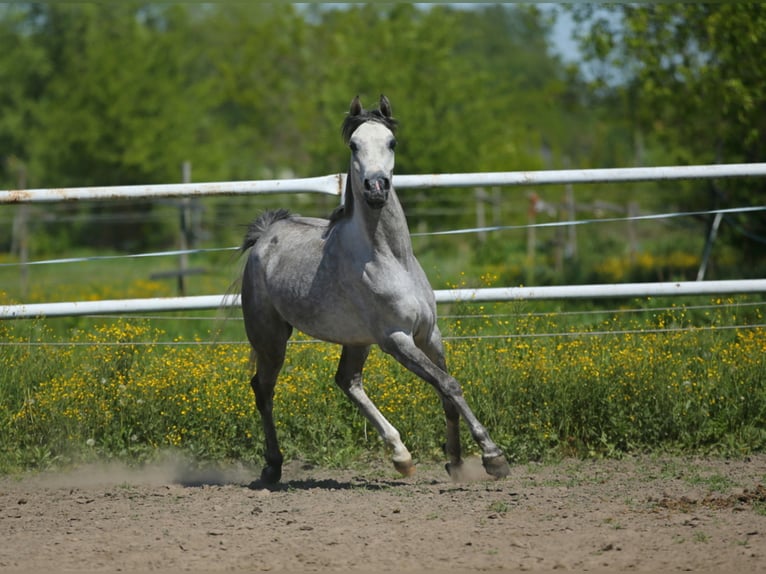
point(206, 302)
point(334, 184)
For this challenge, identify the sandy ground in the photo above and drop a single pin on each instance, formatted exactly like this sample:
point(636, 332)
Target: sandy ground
point(640, 514)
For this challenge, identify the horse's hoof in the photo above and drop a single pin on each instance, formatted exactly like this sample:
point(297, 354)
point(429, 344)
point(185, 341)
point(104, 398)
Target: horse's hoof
point(496, 465)
point(271, 474)
point(454, 469)
point(404, 467)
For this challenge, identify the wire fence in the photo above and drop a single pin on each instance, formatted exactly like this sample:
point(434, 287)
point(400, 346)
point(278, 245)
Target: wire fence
point(484, 229)
point(447, 321)
point(501, 337)
point(334, 184)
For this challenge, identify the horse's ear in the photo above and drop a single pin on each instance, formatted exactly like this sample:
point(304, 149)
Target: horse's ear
point(385, 106)
point(356, 107)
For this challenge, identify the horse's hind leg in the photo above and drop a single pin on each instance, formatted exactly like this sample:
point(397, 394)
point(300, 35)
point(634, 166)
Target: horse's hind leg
point(434, 349)
point(349, 378)
point(269, 359)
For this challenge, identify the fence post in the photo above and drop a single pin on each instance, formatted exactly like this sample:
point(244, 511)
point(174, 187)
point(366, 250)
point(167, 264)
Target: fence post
point(571, 246)
point(633, 212)
point(185, 217)
point(20, 234)
point(531, 236)
point(709, 245)
point(481, 214)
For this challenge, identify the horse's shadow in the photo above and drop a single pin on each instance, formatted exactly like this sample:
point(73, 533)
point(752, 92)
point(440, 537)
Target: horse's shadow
point(325, 484)
point(201, 478)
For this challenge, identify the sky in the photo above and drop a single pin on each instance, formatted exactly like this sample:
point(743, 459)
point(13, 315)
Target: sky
point(562, 36)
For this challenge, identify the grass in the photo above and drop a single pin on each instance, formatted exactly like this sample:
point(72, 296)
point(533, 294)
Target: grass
point(499, 506)
point(599, 384)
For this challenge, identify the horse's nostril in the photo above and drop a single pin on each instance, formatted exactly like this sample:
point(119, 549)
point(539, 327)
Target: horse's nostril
point(377, 184)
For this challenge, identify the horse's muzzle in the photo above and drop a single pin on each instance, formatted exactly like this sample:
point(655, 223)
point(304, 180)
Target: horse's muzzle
point(376, 190)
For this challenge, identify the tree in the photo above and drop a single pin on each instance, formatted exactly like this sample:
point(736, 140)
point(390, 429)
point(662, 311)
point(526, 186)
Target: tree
point(114, 109)
point(692, 81)
point(123, 94)
point(24, 68)
point(258, 63)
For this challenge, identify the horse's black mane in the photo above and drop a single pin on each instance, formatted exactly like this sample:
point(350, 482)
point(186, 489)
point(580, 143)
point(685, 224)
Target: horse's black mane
point(343, 210)
point(350, 123)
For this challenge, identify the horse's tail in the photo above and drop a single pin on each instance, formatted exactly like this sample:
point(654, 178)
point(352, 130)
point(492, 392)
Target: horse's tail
point(259, 226)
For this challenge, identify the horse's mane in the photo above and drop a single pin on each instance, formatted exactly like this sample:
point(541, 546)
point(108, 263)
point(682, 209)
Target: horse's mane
point(352, 122)
point(259, 226)
point(343, 210)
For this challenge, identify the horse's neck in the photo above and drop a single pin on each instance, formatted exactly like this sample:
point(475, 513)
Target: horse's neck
point(386, 229)
point(392, 229)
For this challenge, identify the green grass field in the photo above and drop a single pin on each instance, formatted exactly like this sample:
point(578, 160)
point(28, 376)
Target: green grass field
point(546, 379)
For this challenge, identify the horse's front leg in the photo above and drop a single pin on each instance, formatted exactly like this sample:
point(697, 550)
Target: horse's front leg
point(349, 378)
point(403, 348)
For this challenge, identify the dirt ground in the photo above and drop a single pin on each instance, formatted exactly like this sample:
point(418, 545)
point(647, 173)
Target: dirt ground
point(640, 514)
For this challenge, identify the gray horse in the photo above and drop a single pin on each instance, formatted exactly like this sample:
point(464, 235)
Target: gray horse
point(351, 280)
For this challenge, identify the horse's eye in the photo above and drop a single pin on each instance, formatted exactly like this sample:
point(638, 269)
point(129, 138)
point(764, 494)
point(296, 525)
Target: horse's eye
point(354, 147)
point(392, 144)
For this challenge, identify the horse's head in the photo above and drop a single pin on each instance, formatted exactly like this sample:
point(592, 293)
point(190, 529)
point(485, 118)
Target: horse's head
point(370, 136)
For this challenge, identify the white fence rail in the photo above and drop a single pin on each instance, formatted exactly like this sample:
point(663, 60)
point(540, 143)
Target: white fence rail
point(329, 184)
point(207, 302)
point(334, 185)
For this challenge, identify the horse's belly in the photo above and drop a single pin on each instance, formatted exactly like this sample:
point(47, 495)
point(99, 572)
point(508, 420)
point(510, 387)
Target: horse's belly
point(334, 321)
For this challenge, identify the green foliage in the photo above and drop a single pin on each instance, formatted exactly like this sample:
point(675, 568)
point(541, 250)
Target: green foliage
point(689, 78)
point(104, 95)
